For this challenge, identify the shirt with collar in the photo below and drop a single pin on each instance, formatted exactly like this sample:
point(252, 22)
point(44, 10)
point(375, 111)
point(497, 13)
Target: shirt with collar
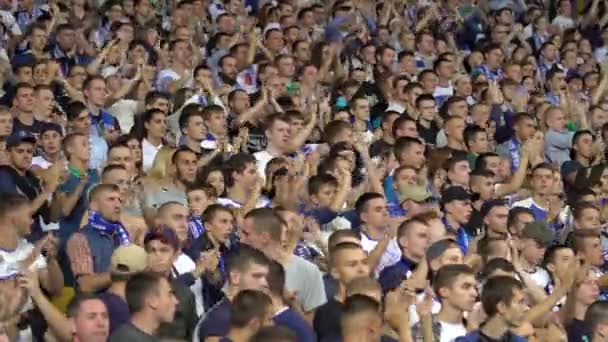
point(148, 153)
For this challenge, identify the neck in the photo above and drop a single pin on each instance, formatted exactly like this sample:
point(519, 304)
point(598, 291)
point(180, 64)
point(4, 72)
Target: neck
point(583, 160)
point(451, 221)
point(277, 253)
point(424, 122)
point(79, 164)
point(51, 157)
point(388, 138)
point(455, 144)
point(449, 314)
point(340, 293)
point(93, 109)
point(444, 82)
point(42, 117)
point(495, 327)
point(406, 254)
point(355, 336)
point(238, 194)
point(178, 184)
point(540, 199)
point(527, 266)
point(373, 232)
point(580, 310)
point(9, 239)
point(240, 334)
point(273, 150)
point(118, 288)
point(178, 67)
point(26, 118)
point(156, 141)
point(143, 322)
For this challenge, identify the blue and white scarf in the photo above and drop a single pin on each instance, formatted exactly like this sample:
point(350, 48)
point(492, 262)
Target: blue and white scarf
point(196, 227)
point(514, 154)
point(114, 229)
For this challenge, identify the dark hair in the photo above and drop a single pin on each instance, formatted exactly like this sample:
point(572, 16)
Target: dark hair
point(266, 220)
point(274, 334)
point(470, 134)
point(597, 313)
point(515, 212)
point(403, 143)
point(446, 276)
point(361, 203)
point(241, 259)
point(139, 288)
point(237, 163)
point(190, 110)
point(550, 254)
point(247, 305)
point(111, 168)
point(578, 239)
point(480, 162)
point(399, 122)
point(212, 210)
point(333, 128)
point(317, 181)
point(499, 289)
point(276, 278)
point(496, 264)
point(338, 235)
point(357, 304)
point(74, 306)
point(340, 247)
point(11, 201)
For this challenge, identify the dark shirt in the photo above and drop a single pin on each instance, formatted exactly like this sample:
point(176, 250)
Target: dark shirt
point(34, 128)
point(184, 321)
point(392, 276)
point(429, 134)
point(216, 321)
point(576, 330)
point(294, 322)
point(327, 319)
point(128, 332)
point(378, 146)
point(331, 285)
point(118, 310)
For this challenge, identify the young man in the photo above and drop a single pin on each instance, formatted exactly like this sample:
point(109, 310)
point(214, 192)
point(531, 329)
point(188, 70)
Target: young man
point(151, 303)
point(596, 319)
point(377, 238)
point(214, 119)
point(250, 311)
point(103, 124)
point(533, 241)
point(192, 127)
point(79, 121)
point(51, 135)
point(413, 239)
point(247, 269)
point(456, 202)
point(90, 249)
point(347, 262)
point(23, 103)
point(199, 199)
point(455, 286)
point(525, 127)
point(162, 246)
point(542, 185)
point(504, 303)
point(240, 179)
point(361, 319)
point(262, 228)
point(558, 139)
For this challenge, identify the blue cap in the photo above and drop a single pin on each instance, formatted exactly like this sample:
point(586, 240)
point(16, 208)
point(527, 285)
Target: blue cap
point(19, 137)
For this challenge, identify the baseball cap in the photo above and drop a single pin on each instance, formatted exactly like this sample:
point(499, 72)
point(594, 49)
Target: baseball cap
point(454, 193)
point(166, 235)
point(415, 193)
point(18, 137)
point(487, 206)
point(51, 126)
point(538, 231)
point(128, 259)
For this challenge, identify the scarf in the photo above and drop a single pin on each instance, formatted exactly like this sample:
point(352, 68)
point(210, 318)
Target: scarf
point(514, 154)
point(114, 229)
point(196, 227)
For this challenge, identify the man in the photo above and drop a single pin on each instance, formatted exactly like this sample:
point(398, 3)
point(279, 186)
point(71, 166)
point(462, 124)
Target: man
point(214, 118)
point(596, 320)
point(494, 214)
point(377, 237)
point(456, 204)
point(192, 127)
point(250, 311)
point(283, 314)
point(413, 239)
point(415, 199)
point(90, 249)
point(517, 220)
point(163, 248)
point(247, 269)
point(584, 292)
point(456, 288)
point(240, 180)
point(73, 192)
point(542, 186)
point(103, 124)
point(263, 229)
point(454, 129)
point(16, 178)
point(504, 303)
point(44, 104)
point(177, 75)
point(126, 261)
point(23, 103)
point(476, 142)
point(361, 319)
point(427, 126)
point(151, 303)
point(458, 171)
point(347, 262)
point(524, 125)
point(79, 121)
point(533, 243)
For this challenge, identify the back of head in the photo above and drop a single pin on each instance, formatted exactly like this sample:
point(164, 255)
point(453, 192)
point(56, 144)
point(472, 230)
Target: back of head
point(139, 289)
point(364, 286)
point(274, 334)
point(249, 305)
point(596, 317)
point(11, 202)
point(355, 309)
point(242, 259)
point(266, 220)
point(276, 278)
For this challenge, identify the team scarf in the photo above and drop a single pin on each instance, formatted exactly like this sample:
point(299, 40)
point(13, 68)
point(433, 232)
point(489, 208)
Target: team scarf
point(114, 229)
point(196, 227)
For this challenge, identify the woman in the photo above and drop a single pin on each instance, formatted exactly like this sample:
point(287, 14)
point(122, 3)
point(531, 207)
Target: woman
point(214, 176)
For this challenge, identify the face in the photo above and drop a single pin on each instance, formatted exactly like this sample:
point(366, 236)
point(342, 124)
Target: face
point(451, 256)
point(413, 156)
point(121, 156)
point(462, 293)
point(229, 68)
point(45, 102)
point(416, 240)
point(325, 195)
point(80, 148)
point(216, 123)
point(514, 312)
point(6, 124)
point(278, 134)
point(427, 110)
point(108, 204)
point(496, 220)
point(51, 142)
point(584, 146)
point(275, 41)
point(376, 213)
point(186, 165)
point(406, 177)
point(121, 179)
point(593, 251)
point(92, 322)
point(287, 67)
point(24, 100)
point(542, 181)
point(220, 226)
point(350, 264)
point(96, 93)
point(157, 126)
point(588, 290)
point(589, 219)
point(21, 155)
point(160, 256)
point(361, 109)
point(459, 174)
point(532, 251)
point(253, 278)
point(248, 177)
point(460, 210)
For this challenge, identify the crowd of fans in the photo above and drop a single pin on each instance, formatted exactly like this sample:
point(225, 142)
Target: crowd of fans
point(303, 171)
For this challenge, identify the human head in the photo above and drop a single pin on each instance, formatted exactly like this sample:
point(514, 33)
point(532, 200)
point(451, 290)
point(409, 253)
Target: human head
point(191, 122)
point(89, 317)
point(250, 310)
point(105, 199)
point(15, 210)
point(348, 261)
point(262, 229)
point(372, 210)
point(151, 295)
point(455, 285)
point(240, 171)
point(457, 203)
point(503, 296)
point(184, 165)
point(413, 239)
point(410, 151)
point(20, 146)
point(24, 98)
point(173, 215)
point(247, 268)
point(218, 221)
point(76, 146)
point(361, 317)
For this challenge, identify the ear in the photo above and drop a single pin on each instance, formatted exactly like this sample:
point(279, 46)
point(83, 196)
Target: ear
point(234, 278)
point(443, 292)
point(402, 241)
point(501, 307)
point(435, 265)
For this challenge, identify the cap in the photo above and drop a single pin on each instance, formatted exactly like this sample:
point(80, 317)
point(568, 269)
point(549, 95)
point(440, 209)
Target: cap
point(165, 234)
point(487, 206)
point(454, 193)
point(538, 231)
point(128, 259)
point(415, 193)
point(51, 126)
point(436, 249)
point(18, 137)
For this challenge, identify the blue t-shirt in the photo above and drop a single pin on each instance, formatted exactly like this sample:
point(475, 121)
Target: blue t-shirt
point(216, 321)
point(70, 223)
point(294, 322)
point(118, 310)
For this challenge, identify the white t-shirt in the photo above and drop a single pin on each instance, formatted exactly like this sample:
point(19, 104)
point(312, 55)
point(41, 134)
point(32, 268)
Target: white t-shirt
point(124, 111)
point(391, 254)
point(450, 331)
point(149, 152)
point(41, 162)
point(540, 277)
point(262, 158)
point(183, 265)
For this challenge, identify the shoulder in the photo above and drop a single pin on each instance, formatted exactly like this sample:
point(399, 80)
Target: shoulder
point(528, 202)
point(300, 264)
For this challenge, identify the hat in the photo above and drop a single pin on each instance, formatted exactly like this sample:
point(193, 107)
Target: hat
point(439, 247)
point(538, 231)
point(487, 206)
point(165, 234)
point(18, 137)
point(128, 259)
point(51, 126)
point(415, 193)
point(454, 193)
